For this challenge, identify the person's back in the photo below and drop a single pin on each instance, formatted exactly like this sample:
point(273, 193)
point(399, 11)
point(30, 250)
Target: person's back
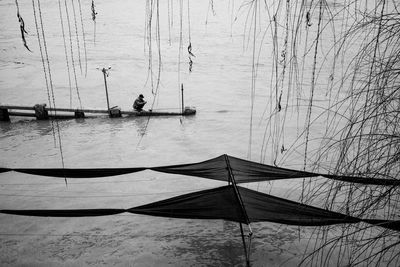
point(139, 103)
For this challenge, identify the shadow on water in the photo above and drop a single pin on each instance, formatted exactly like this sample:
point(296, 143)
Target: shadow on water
point(26, 126)
point(45, 127)
point(210, 245)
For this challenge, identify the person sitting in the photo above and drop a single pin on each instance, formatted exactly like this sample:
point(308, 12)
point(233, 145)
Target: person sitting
point(139, 103)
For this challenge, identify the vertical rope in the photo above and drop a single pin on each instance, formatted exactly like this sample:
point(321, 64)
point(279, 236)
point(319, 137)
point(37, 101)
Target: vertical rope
point(309, 110)
point(279, 145)
point(77, 35)
point(188, 14)
point(50, 78)
point(367, 98)
point(22, 27)
point(169, 23)
point(148, 34)
point(231, 179)
point(83, 35)
point(275, 128)
point(149, 13)
point(180, 51)
point(43, 65)
point(66, 54)
point(94, 13)
point(172, 13)
point(253, 82)
point(308, 24)
point(158, 39)
point(190, 40)
point(72, 53)
point(231, 18)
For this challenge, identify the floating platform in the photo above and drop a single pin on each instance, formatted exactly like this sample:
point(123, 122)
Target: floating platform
point(41, 112)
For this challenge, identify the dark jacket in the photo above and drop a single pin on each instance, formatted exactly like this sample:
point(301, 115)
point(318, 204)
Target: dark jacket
point(139, 104)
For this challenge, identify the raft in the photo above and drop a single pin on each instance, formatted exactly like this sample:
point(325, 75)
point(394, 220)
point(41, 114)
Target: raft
point(41, 112)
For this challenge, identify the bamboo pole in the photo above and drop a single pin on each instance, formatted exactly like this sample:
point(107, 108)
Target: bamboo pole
point(105, 85)
point(244, 213)
point(183, 106)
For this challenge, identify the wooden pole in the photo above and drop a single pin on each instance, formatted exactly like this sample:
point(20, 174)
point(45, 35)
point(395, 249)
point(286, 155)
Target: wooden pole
point(4, 115)
point(183, 106)
point(244, 213)
point(246, 254)
point(105, 85)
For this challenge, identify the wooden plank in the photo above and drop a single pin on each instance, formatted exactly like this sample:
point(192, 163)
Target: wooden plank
point(17, 107)
point(104, 111)
point(98, 111)
point(151, 113)
point(26, 114)
point(21, 114)
point(55, 109)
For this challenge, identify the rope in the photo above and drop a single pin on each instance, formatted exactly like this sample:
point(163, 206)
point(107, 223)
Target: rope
point(66, 54)
point(149, 13)
point(158, 38)
point(83, 35)
point(253, 82)
point(77, 35)
point(22, 27)
point(72, 53)
point(188, 10)
point(94, 13)
point(180, 51)
point(284, 54)
point(190, 41)
point(50, 78)
point(154, 90)
point(210, 6)
point(169, 23)
point(43, 65)
point(309, 110)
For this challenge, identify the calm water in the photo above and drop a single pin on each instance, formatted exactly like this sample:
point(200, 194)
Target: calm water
point(219, 87)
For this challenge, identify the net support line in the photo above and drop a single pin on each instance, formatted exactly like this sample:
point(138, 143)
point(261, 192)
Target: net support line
point(243, 209)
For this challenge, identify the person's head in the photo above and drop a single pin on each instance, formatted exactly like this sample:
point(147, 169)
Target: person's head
point(141, 96)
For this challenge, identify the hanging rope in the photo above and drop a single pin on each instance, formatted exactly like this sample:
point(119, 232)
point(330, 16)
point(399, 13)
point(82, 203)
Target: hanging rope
point(180, 51)
point(158, 39)
point(309, 110)
point(210, 6)
point(149, 19)
point(72, 53)
point(43, 62)
point(22, 27)
point(83, 35)
point(94, 13)
point(77, 35)
point(66, 54)
point(49, 80)
point(190, 41)
point(253, 82)
point(150, 6)
point(169, 23)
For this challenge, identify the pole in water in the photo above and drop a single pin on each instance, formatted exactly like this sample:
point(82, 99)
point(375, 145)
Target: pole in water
point(105, 74)
point(183, 106)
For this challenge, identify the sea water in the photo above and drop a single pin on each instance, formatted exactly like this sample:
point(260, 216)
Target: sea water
point(227, 121)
